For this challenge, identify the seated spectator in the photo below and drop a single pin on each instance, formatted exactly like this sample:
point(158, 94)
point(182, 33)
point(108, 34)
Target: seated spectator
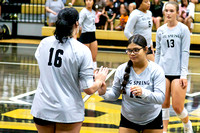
point(186, 13)
point(123, 19)
point(100, 19)
point(195, 1)
point(110, 14)
point(53, 7)
point(70, 4)
point(118, 4)
point(156, 9)
point(131, 7)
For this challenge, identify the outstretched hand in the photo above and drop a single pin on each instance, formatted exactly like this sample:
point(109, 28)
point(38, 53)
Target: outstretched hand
point(101, 74)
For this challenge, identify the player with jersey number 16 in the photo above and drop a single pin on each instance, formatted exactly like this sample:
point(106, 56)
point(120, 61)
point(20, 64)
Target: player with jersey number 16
point(66, 67)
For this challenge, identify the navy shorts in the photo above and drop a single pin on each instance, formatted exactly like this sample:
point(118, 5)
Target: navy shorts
point(172, 77)
point(157, 123)
point(42, 122)
point(87, 37)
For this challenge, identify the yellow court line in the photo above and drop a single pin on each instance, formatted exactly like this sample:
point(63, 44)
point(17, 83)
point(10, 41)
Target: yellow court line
point(17, 125)
point(24, 41)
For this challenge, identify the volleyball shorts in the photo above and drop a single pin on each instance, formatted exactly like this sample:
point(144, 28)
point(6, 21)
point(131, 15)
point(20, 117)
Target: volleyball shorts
point(172, 77)
point(87, 37)
point(42, 122)
point(157, 123)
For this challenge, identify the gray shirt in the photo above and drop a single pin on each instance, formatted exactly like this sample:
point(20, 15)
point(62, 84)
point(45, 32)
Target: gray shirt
point(145, 109)
point(139, 23)
point(56, 6)
point(62, 66)
point(172, 49)
point(87, 20)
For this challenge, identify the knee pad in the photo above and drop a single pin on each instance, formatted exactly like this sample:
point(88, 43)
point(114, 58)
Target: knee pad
point(165, 113)
point(183, 114)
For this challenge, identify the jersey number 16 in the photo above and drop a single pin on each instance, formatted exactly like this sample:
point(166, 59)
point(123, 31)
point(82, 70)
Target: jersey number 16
point(58, 59)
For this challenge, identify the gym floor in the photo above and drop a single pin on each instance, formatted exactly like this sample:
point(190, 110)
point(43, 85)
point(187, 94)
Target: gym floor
point(19, 76)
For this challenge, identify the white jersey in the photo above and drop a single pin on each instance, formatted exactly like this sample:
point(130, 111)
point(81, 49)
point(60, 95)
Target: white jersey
point(172, 49)
point(87, 20)
point(62, 66)
point(139, 23)
point(145, 109)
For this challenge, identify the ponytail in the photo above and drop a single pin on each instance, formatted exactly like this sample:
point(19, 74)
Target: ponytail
point(67, 17)
point(126, 76)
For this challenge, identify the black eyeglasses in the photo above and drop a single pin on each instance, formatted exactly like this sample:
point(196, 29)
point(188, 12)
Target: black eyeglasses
point(135, 50)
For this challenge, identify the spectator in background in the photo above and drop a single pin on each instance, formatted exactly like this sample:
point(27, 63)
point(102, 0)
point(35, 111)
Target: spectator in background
point(100, 8)
point(131, 7)
point(186, 13)
point(1, 1)
point(70, 4)
point(118, 4)
point(53, 7)
point(156, 9)
point(123, 19)
point(195, 1)
point(110, 14)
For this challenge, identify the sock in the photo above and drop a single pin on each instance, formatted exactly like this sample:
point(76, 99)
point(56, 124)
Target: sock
point(188, 124)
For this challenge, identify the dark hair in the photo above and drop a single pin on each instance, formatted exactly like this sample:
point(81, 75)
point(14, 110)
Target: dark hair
point(67, 17)
point(141, 41)
point(174, 3)
point(138, 39)
point(138, 3)
point(182, 5)
point(93, 6)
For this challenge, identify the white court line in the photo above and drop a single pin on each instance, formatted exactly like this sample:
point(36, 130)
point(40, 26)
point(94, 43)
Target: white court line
point(193, 94)
point(18, 46)
point(15, 102)
point(15, 63)
point(108, 76)
point(16, 98)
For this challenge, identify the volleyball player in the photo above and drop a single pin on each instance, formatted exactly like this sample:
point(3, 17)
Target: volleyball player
point(63, 63)
point(172, 54)
point(142, 83)
point(88, 28)
point(140, 22)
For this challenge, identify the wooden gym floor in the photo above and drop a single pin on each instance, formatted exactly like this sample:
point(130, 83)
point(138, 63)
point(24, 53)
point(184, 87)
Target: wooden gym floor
point(19, 75)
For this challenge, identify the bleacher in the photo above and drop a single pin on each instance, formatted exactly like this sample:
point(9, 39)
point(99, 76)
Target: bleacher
point(36, 9)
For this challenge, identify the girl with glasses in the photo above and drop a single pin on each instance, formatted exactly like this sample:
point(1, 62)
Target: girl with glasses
point(142, 85)
point(172, 54)
point(66, 68)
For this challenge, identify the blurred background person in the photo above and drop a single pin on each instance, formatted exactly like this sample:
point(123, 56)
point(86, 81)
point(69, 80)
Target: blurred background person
point(53, 7)
point(186, 13)
point(156, 9)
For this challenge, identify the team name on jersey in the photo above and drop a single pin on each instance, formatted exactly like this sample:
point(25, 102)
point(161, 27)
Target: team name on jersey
point(139, 82)
point(145, 18)
point(172, 36)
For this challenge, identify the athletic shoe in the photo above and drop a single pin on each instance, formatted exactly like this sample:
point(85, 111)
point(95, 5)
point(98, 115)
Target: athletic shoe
point(188, 129)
